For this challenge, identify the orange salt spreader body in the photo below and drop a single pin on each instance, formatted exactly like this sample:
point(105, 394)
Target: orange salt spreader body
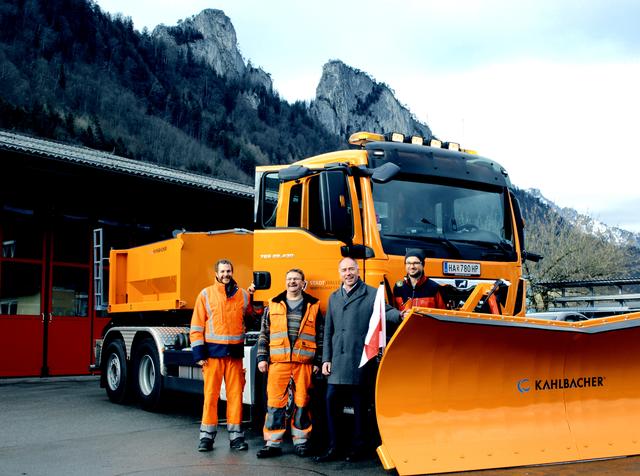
point(466, 391)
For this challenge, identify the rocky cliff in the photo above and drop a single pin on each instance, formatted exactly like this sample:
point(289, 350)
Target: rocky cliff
point(210, 36)
point(348, 100)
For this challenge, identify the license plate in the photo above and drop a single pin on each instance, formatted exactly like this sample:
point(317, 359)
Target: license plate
point(462, 269)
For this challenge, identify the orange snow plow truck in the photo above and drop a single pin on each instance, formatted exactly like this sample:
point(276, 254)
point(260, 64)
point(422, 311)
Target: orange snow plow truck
point(478, 385)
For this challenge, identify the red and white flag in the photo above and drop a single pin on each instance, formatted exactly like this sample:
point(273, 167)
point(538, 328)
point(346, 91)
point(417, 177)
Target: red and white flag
point(377, 333)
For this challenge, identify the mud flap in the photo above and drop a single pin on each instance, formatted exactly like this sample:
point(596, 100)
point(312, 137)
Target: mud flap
point(465, 391)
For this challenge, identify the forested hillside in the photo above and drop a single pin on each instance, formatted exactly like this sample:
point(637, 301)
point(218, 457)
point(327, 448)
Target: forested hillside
point(70, 72)
point(571, 248)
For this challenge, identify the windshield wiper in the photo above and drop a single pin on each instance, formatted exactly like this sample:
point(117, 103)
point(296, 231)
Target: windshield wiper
point(500, 248)
point(433, 239)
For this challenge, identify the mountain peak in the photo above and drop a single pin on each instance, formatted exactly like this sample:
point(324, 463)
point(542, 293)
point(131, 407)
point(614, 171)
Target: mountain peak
point(587, 223)
point(348, 100)
point(211, 37)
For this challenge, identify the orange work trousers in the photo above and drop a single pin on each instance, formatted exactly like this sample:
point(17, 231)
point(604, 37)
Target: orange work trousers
point(280, 375)
point(230, 369)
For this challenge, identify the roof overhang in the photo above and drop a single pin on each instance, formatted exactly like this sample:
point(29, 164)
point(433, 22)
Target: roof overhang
point(85, 156)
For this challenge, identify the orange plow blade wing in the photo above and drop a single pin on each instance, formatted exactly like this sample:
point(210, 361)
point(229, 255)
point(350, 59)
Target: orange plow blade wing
point(463, 391)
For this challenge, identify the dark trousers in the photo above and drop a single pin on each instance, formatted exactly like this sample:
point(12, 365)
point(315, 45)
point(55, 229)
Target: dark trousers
point(337, 397)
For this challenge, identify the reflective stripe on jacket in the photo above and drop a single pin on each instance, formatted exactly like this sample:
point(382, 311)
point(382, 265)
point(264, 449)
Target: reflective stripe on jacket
point(217, 319)
point(305, 346)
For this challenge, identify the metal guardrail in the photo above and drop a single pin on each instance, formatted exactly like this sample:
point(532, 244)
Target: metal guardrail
point(573, 292)
point(586, 283)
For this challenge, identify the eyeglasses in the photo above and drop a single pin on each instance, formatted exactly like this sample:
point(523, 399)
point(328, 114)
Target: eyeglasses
point(413, 263)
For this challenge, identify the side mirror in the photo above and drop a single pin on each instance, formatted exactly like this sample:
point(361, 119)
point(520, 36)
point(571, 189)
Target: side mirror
point(335, 206)
point(385, 172)
point(357, 251)
point(528, 255)
point(262, 279)
point(294, 172)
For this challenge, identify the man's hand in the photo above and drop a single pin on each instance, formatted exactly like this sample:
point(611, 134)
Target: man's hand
point(251, 289)
point(263, 366)
point(201, 363)
point(326, 368)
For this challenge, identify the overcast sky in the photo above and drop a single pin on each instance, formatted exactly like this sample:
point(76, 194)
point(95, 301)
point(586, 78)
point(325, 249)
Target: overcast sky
point(547, 88)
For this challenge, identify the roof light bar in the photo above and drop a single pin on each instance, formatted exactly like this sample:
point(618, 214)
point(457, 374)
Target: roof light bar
point(453, 146)
point(361, 138)
point(395, 137)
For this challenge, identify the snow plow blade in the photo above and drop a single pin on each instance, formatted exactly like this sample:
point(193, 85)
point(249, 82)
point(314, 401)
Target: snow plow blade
point(465, 391)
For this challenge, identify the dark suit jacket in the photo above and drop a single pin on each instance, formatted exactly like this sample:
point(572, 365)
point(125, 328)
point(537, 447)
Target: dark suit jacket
point(346, 326)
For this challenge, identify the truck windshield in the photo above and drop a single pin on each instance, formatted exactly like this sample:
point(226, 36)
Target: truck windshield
point(446, 220)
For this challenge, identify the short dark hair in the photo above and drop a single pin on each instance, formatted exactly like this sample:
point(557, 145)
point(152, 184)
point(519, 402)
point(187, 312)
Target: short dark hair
point(223, 261)
point(296, 270)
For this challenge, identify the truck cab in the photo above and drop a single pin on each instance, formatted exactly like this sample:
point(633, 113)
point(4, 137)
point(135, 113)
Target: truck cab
point(375, 201)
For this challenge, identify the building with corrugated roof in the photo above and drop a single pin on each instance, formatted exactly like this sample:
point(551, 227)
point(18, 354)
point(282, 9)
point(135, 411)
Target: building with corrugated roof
point(52, 198)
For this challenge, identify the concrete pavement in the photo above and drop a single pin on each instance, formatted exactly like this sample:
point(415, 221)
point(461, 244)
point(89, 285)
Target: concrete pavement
point(67, 426)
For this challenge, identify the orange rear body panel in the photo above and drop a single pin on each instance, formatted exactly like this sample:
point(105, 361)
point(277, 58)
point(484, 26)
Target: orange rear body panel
point(168, 275)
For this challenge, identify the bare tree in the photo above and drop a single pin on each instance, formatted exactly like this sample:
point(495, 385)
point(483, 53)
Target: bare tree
point(572, 251)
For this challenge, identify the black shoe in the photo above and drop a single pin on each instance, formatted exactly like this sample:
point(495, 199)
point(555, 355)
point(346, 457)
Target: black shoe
point(330, 455)
point(206, 444)
point(302, 450)
point(357, 455)
point(238, 444)
point(269, 451)
point(354, 456)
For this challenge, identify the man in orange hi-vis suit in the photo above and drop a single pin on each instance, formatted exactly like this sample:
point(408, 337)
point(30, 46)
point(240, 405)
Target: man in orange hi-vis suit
point(217, 342)
point(289, 348)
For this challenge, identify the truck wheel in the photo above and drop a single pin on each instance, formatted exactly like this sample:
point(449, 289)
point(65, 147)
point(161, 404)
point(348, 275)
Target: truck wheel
point(148, 378)
point(116, 372)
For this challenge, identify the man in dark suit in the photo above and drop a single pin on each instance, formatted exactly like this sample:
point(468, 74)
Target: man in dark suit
point(346, 325)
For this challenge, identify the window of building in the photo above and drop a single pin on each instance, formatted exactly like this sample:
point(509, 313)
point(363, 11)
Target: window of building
point(20, 234)
point(72, 240)
point(70, 291)
point(20, 288)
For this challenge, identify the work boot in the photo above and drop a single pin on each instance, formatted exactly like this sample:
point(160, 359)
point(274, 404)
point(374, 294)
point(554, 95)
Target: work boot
point(302, 450)
point(331, 455)
point(206, 444)
point(269, 451)
point(238, 444)
point(355, 455)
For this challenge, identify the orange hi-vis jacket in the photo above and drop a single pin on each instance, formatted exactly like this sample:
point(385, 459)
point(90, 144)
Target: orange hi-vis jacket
point(304, 348)
point(217, 323)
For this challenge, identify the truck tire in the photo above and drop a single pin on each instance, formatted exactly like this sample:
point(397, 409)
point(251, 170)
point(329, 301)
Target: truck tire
point(147, 375)
point(116, 372)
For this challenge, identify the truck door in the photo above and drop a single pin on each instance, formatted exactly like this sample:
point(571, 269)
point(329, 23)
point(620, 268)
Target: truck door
point(303, 224)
